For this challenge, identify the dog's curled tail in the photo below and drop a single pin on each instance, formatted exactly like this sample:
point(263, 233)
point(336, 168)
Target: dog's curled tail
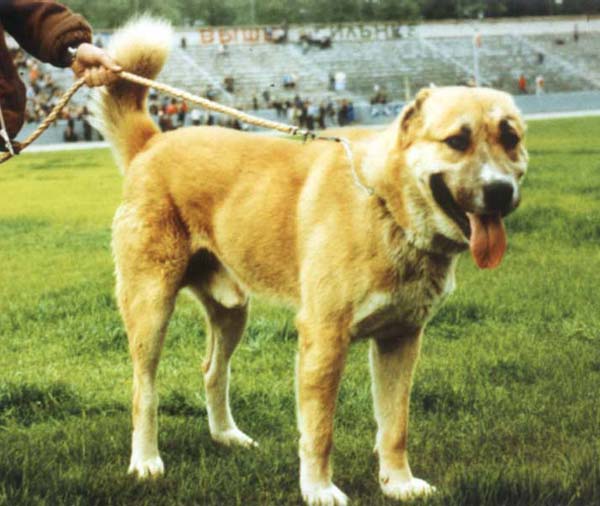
point(120, 110)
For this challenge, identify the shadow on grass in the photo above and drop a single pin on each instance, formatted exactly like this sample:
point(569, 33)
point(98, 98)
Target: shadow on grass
point(26, 404)
point(21, 225)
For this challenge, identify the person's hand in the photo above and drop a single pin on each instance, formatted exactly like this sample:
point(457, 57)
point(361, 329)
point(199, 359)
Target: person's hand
point(94, 65)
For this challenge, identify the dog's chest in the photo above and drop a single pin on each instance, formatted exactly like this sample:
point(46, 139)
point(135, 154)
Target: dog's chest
point(406, 309)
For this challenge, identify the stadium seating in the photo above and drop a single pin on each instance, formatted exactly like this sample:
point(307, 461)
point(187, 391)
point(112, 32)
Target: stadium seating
point(400, 66)
point(395, 64)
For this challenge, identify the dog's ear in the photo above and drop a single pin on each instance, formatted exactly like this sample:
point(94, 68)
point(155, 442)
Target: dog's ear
point(411, 116)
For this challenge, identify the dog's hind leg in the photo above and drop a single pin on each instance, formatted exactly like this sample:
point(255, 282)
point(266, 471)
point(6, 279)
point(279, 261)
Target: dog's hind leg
point(392, 365)
point(146, 311)
point(226, 307)
point(150, 263)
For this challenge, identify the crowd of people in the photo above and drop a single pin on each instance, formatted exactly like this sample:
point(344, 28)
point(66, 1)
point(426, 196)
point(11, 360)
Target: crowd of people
point(308, 112)
point(43, 93)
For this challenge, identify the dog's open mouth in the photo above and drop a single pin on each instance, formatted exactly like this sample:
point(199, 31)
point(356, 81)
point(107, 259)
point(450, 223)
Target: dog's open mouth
point(486, 233)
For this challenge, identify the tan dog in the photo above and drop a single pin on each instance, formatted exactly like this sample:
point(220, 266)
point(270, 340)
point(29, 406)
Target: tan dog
point(225, 213)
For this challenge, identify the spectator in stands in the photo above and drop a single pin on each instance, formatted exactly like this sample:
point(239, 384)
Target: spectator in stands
point(304, 44)
point(196, 116)
point(211, 93)
point(51, 32)
point(182, 110)
point(289, 81)
point(222, 50)
point(278, 106)
point(233, 123)
point(171, 107)
point(539, 85)
point(165, 121)
point(522, 84)
point(322, 115)
point(330, 109)
point(331, 81)
point(312, 113)
point(293, 114)
point(379, 102)
point(69, 134)
point(340, 81)
point(18, 57)
point(350, 114)
point(153, 107)
point(280, 34)
point(343, 113)
point(84, 116)
point(229, 82)
point(266, 95)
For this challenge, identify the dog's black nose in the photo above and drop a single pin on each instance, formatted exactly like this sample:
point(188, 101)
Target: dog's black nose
point(498, 197)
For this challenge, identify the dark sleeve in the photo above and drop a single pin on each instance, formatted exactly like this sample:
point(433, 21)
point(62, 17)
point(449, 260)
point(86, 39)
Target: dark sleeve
point(44, 28)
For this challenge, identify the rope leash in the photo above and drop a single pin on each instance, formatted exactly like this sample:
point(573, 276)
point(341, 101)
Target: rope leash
point(43, 126)
point(189, 97)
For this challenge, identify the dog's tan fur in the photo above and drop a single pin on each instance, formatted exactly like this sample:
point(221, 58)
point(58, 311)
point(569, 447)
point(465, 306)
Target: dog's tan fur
point(226, 214)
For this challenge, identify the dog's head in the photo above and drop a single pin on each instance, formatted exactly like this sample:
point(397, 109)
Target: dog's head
point(464, 148)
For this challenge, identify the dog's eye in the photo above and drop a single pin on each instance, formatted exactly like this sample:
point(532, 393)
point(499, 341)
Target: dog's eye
point(458, 142)
point(508, 137)
point(509, 140)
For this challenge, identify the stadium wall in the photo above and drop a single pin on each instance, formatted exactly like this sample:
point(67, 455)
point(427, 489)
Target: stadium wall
point(575, 102)
point(355, 32)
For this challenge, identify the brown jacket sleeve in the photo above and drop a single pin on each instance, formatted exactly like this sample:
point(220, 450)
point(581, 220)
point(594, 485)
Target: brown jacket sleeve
point(44, 28)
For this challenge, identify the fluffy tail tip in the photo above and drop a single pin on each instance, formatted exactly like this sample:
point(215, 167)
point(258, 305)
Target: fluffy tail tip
point(142, 45)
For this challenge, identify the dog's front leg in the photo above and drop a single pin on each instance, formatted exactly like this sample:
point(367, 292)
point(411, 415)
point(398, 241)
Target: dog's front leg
point(392, 365)
point(320, 363)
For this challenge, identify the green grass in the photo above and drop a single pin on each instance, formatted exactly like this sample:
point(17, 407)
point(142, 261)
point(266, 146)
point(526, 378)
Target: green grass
point(505, 409)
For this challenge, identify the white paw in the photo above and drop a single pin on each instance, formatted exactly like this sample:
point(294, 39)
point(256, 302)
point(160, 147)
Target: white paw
point(234, 437)
point(406, 490)
point(329, 495)
point(148, 468)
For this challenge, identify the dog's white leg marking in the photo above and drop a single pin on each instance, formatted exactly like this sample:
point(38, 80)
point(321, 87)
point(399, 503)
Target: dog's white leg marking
point(319, 369)
point(392, 366)
point(226, 326)
point(146, 308)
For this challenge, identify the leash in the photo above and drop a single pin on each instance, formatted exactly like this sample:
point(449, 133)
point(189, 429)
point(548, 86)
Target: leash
point(291, 130)
point(43, 126)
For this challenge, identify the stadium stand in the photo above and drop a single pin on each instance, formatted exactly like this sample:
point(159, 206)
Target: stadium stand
point(297, 77)
point(401, 65)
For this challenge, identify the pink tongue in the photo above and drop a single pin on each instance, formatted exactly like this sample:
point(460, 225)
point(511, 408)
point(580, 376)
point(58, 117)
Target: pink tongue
point(488, 240)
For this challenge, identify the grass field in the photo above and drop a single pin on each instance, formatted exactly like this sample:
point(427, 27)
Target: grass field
point(505, 408)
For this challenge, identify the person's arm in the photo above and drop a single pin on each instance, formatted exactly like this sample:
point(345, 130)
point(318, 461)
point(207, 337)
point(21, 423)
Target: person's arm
point(45, 29)
point(52, 33)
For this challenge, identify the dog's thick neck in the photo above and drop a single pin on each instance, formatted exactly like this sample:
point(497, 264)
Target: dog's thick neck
point(382, 165)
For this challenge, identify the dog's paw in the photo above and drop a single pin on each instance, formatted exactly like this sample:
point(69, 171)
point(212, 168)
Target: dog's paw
point(234, 437)
point(148, 468)
point(329, 495)
point(406, 490)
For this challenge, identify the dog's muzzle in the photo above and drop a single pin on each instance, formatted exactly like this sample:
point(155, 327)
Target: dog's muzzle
point(443, 196)
point(499, 197)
